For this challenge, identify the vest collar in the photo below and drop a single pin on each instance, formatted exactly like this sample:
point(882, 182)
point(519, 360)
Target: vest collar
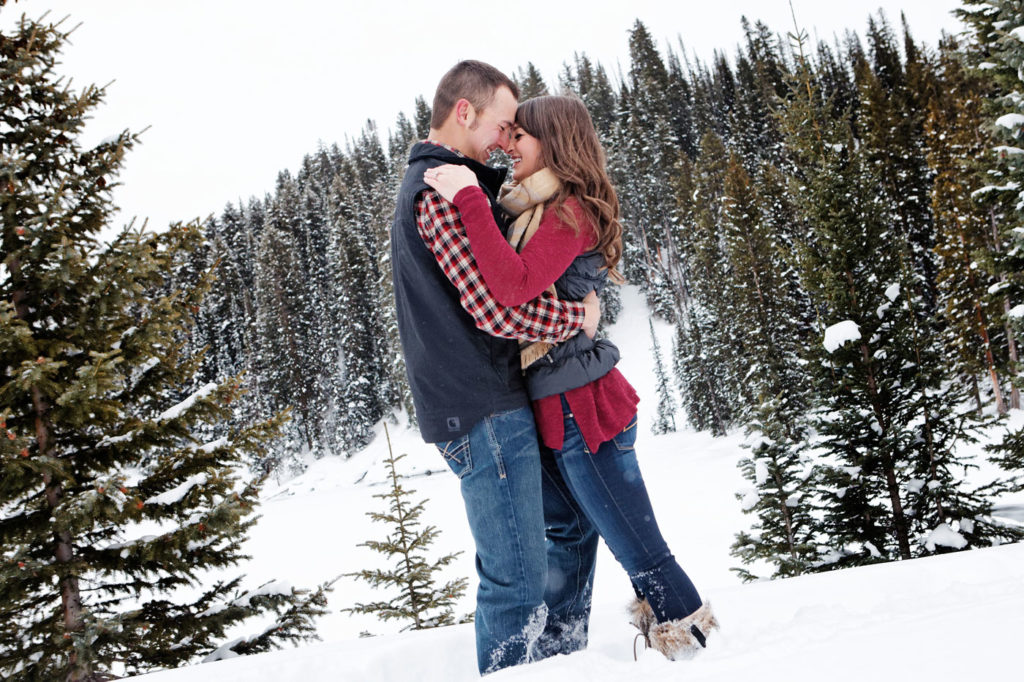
point(490, 178)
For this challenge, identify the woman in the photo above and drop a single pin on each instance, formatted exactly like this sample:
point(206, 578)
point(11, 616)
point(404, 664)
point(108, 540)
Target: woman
point(566, 235)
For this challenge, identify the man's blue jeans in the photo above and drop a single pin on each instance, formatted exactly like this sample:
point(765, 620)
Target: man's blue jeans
point(498, 464)
point(608, 488)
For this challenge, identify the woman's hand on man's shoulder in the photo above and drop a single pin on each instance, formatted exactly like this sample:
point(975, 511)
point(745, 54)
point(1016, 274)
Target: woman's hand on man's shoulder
point(449, 179)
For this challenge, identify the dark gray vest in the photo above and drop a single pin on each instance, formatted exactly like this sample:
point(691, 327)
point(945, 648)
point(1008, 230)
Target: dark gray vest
point(457, 373)
point(578, 360)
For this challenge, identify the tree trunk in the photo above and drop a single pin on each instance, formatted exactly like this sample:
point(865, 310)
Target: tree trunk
point(1010, 338)
point(1011, 342)
point(891, 484)
point(63, 550)
point(979, 319)
point(990, 362)
point(899, 518)
point(784, 508)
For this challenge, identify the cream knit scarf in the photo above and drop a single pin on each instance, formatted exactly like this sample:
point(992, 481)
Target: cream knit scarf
point(525, 201)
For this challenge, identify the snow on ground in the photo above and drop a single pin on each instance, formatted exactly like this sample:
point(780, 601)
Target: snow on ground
point(954, 617)
point(951, 617)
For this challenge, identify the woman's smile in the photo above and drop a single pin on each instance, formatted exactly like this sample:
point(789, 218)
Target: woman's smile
point(525, 153)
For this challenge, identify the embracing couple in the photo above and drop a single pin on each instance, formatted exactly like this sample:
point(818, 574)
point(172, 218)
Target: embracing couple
point(496, 292)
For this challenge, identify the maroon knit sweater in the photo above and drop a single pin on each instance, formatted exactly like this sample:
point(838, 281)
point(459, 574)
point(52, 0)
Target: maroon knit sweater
point(601, 408)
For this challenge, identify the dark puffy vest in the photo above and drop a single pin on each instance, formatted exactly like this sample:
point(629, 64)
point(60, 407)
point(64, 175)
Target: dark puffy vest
point(578, 360)
point(457, 373)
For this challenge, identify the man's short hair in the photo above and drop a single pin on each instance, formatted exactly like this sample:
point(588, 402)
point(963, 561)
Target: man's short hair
point(471, 80)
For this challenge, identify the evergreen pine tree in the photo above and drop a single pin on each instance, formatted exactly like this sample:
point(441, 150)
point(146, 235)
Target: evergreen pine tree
point(590, 82)
point(642, 168)
point(611, 307)
point(372, 183)
point(419, 600)
point(765, 298)
point(307, 306)
point(680, 106)
point(317, 215)
point(401, 138)
point(891, 126)
point(665, 422)
point(278, 366)
point(705, 109)
point(956, 145)
point(706, 404)
point(892, 483)
point(1009, 454)
point(998, 54)
point(359, 367)
point(422, 119)
point(786, 532)
point(761, 84)
point(709, 360)
point(98, 443)
point(230, 296)
point(531, 83)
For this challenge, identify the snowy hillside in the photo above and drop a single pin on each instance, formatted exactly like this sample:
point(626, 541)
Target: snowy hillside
point(953, 617)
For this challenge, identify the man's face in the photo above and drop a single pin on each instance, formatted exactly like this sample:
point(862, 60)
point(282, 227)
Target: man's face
point(492, 126)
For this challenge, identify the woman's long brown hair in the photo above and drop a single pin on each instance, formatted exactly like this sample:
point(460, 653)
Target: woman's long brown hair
point(570, 149)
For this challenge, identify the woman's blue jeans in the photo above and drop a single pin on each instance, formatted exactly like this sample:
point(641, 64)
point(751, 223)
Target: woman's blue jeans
point(609, 495)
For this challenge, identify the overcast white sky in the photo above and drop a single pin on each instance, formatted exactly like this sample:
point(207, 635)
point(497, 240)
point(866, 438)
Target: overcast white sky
point(236, 90)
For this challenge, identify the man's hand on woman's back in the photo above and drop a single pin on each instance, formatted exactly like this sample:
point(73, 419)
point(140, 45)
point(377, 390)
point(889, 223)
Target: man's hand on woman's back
point(592, 306)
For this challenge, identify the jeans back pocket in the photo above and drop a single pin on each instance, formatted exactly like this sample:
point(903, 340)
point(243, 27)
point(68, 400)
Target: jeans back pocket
point(457, 455)
point(626, 438)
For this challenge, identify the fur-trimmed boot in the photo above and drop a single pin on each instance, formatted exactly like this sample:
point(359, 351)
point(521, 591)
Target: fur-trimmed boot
point(682, 638)
point(641, 616)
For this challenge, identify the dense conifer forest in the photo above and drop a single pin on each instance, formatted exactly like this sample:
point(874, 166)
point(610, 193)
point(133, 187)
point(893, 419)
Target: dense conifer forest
point(865, 190)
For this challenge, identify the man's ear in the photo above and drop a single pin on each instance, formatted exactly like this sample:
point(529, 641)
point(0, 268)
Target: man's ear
point(465, 113)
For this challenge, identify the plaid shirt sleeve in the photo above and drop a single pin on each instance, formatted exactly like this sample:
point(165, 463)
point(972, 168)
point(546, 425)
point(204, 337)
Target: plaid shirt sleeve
point(543, 319)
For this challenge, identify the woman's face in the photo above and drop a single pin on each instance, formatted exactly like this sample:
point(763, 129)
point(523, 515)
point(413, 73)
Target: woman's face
point(525, 154)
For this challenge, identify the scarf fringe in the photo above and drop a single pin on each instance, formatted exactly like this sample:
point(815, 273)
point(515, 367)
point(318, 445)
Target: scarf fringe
point(532, 352)
point(526, 201)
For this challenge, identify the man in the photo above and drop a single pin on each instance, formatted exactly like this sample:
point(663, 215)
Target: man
point(463, 364)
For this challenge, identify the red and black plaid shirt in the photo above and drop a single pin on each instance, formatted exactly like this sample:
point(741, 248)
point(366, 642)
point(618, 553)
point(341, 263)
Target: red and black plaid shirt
point(543, 319)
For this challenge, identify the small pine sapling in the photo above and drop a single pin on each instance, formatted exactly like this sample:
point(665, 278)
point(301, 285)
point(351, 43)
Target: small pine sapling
point(418, 599)
point(666, 419)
